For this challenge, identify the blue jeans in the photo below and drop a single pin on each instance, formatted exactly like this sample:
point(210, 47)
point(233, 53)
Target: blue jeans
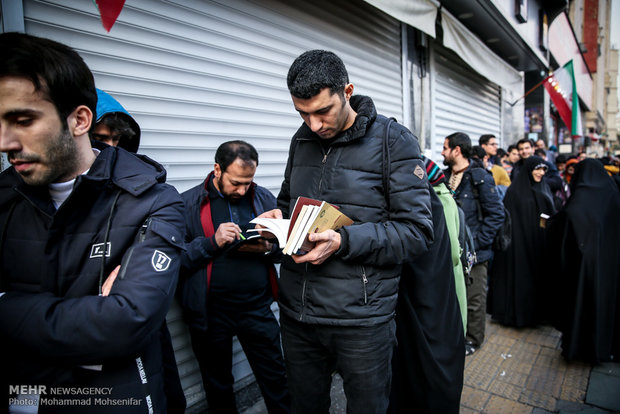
point(360, 354)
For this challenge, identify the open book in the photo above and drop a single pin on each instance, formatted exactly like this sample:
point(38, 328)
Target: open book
point(308, 216)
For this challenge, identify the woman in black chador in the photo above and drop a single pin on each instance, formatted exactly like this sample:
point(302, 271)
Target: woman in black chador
point(515, 286)
point(429, 362)
point(583, 244)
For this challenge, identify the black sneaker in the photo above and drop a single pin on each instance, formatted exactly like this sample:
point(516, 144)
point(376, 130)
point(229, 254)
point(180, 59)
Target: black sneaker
point(470, 348)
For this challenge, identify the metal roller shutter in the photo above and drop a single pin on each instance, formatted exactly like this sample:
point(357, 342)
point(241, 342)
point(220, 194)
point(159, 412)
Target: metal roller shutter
point(196, 73)
point(462, 101)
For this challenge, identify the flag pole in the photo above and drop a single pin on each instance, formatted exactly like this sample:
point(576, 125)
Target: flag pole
point(530, 91)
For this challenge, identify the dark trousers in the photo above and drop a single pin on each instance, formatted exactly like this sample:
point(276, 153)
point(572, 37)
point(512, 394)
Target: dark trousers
point(259, 334)
point(477, 304)
point(362, 355)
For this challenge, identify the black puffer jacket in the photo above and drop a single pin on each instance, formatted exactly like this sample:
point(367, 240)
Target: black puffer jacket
point(358, 285)
point(53, 323)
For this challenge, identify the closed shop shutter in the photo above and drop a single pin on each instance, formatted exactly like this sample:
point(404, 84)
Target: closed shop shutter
point(196, 73)
point(462, 101)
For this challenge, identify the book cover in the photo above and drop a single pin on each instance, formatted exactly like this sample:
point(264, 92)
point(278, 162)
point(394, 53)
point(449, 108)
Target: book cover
point(328, 217)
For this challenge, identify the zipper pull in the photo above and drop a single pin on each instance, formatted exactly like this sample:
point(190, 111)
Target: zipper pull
point(143, 229)
point(324, 158)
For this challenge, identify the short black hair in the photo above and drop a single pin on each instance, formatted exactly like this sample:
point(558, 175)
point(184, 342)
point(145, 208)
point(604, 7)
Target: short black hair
point(512, 147)
point(484, 139)
point(525, 141)
point(460, 139)
point(478, 152)
point(55, 70)
point(540, 152)
point(315, 70)
point(229, 151)
point(500, 153)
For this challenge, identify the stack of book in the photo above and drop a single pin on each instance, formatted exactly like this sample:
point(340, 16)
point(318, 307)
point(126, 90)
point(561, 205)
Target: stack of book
point(308, 216)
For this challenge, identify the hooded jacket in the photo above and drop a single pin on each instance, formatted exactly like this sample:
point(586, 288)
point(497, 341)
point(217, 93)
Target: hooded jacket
point(483, 216)
point(357, 285)
point(107, 105)
point(53, 262)
point(198, 258)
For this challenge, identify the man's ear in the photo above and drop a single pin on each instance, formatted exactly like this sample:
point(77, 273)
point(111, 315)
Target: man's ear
point(79, 120)
point(217, 170)
point(348, 91)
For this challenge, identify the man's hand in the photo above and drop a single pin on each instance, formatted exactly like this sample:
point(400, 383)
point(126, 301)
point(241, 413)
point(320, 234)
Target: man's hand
point(107, 285)
point(227, 233)
point(327, 243)
point(276, 213)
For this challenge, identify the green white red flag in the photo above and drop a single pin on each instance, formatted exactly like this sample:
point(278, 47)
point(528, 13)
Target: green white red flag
point(562, 89)
point(109, 11)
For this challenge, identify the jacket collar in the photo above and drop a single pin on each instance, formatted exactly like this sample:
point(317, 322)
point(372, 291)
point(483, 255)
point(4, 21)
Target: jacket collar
point(366, 115)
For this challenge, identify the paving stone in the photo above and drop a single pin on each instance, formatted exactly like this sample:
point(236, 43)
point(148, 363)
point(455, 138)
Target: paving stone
point(545, 381)
point(506, 390)
point(603, 391)
point(573, 394)
point(608, 368)
point(500, 405)
point(512, 377)
point(538, 399)
point(473, 398)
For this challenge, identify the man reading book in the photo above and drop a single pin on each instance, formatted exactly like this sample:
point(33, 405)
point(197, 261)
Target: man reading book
point(228, 285)
point(337, 301)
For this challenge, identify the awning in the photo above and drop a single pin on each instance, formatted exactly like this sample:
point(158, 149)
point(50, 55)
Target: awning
point(420, 14)
point(477, 55)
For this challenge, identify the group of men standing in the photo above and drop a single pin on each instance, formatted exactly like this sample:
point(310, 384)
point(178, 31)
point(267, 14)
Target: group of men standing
point(87, 273)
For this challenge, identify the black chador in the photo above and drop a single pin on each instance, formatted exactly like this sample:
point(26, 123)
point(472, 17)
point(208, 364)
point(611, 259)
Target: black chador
point(584, 247)
point(429, 362)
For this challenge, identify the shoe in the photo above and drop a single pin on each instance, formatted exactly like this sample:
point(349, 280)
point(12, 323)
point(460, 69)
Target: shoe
point(470, 348)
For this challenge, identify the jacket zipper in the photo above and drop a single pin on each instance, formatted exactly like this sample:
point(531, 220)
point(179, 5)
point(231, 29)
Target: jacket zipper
point(323, 161)
point(364, 283)
point(141, 237)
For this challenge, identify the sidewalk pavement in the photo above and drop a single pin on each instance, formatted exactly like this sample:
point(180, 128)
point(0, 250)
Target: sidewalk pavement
point(522, 371)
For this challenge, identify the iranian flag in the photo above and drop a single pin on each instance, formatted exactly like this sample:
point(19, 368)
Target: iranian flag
point(562, 88)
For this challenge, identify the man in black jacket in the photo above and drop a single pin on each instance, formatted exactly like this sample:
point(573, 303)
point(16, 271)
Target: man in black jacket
point(90, 243)
point(474, 190)
point(337, 301)
point(226, 286)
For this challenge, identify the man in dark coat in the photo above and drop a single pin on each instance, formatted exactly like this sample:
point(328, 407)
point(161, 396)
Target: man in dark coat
point(227, 287)
point(474, 190)
point(337, 301)
point(90, 243)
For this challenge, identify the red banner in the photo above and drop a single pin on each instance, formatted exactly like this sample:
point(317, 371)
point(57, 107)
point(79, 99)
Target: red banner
point(109, 11)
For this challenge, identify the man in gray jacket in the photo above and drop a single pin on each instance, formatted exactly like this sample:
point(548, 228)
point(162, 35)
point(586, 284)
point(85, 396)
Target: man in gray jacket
point(337, 301)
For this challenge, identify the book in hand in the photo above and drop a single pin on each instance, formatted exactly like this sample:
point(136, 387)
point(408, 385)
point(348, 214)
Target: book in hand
point(246, 239)
point(308, 216)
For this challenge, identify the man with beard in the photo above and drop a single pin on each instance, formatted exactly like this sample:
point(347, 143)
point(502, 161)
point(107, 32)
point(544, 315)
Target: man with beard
point(484, 214)
point(90, 242)
point(226, 286)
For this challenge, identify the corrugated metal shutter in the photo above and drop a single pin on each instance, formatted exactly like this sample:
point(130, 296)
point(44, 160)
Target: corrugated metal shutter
point(197, 73)
point(462, 101)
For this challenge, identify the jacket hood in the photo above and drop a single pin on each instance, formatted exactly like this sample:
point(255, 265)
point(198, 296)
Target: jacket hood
point(106, 105)
point(134, 173)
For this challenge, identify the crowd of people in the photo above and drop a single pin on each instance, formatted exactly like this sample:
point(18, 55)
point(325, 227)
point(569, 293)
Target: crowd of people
point(94, 245)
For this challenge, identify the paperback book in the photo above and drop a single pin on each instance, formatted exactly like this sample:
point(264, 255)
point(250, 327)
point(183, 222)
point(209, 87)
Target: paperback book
point(308, 216)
